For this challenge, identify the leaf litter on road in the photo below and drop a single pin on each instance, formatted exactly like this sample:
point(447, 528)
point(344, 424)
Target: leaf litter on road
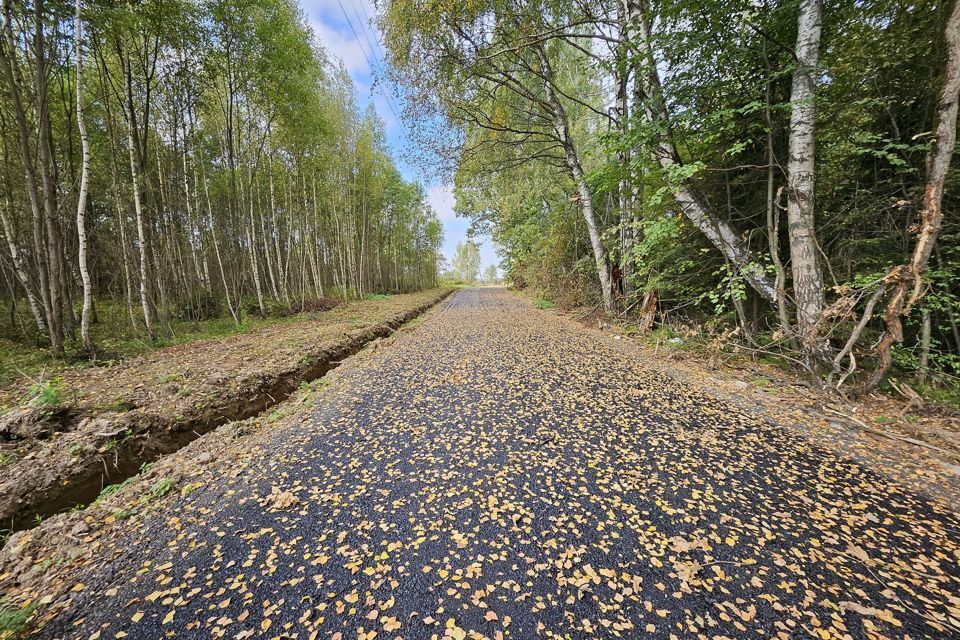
point(502, 474)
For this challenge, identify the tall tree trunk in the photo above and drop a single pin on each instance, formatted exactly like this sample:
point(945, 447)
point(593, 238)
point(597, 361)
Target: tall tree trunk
point(694, 206)
point(142, 237)
point(624, 188)
point(11, 71)
point(265, 236)
point(773, 209)
point(54, 249)
point(562, 128)
point(216, 249)
point(924, 368)
point(20, 266)
point(808, 291)
point(82, 198)
point(905, 279)
point(252, 244)
point(121, 221)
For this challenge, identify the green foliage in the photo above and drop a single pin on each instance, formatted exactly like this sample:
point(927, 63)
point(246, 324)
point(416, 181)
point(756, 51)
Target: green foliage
point(13, 619)
point(161, 487)
point(727, 75)
point(466, 262)
point(46, 394)
point(111, 489)
point(541, 303)
point(76, 449)
point(947, 395)
point(253, 156)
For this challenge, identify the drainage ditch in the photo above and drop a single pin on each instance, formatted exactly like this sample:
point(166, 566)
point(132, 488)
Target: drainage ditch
point(152, 437)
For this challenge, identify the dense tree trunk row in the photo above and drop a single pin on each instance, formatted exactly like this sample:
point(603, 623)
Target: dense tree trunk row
point(720, 156)
point(212, 160)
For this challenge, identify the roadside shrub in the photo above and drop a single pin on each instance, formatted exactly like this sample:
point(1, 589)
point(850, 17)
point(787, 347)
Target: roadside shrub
point(542, 303)
point(46, 394)
point(274, 308)
point(204, 306)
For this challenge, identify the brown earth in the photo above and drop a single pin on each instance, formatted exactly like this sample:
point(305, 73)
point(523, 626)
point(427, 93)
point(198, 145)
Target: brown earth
point(116, 418)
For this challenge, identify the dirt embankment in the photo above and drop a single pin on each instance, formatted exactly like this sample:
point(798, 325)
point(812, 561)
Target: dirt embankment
point(111, 420)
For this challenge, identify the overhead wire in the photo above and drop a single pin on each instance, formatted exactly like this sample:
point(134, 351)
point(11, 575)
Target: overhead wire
point(376, 52)
point(366, 57)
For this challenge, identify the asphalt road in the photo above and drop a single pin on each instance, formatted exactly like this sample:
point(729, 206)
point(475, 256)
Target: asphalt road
point(500, 472)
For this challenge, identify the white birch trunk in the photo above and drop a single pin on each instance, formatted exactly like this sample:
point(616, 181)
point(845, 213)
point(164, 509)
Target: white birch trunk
point(808, 291)
point(562, 129)
point(82, 197)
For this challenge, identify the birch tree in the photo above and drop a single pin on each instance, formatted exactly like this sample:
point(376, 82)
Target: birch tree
point(808, 291)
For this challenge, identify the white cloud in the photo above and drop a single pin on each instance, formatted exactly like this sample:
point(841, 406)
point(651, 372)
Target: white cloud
point(342, 46)
point(440, 197)
point(358, 47)
point(332, 7)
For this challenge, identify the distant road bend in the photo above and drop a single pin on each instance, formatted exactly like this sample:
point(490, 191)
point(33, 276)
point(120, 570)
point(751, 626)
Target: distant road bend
point(499, 472)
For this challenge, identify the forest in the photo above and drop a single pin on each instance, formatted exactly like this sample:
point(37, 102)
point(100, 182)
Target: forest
point(186, 160)
point(776, 173)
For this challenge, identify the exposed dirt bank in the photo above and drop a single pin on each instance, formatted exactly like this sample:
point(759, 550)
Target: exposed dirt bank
point(115, 419)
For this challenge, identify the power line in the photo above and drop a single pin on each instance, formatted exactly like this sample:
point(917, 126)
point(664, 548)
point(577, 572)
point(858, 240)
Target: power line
point(374, 54)
point(366, 57)
point(369, 21)
point(375, 50)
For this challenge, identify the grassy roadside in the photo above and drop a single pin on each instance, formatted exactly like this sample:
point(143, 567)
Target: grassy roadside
point(39, 566)
point(24, 356)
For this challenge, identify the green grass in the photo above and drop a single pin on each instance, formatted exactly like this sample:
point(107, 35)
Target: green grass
point(28, 355)
point(376, 296)
point(46, 394)
point(543, 303)
point(110, 490)
point(946, 396)
point(13, 620)
point(161, 487)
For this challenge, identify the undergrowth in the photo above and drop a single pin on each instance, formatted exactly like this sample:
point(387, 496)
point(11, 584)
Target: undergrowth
point(543, 303)
point(13, 619)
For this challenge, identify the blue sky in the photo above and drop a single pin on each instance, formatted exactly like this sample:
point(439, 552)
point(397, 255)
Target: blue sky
point(359, 47)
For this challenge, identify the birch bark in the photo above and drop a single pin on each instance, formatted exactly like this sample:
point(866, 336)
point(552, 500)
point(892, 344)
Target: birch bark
point(82, 197)
point(808, 291)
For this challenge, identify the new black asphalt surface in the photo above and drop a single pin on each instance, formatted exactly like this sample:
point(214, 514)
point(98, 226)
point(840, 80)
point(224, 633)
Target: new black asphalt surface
point(499, 472)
